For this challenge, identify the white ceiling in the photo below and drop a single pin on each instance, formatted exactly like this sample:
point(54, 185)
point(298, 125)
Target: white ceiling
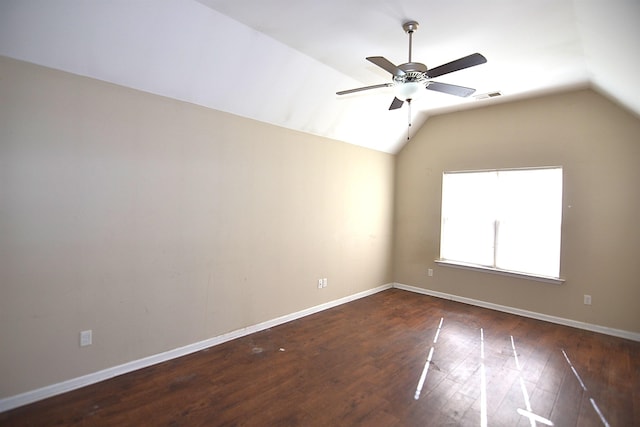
point(281, 61)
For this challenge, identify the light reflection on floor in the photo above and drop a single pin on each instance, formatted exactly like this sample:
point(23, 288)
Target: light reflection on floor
point(584, 390)
point(483, 384)
point(528, 412)
point(423, 376)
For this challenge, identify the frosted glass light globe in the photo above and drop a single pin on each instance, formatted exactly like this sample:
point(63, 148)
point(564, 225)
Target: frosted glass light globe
point(408, 90)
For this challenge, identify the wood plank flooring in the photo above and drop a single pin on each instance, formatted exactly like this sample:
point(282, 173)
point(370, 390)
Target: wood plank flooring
point(360, 364)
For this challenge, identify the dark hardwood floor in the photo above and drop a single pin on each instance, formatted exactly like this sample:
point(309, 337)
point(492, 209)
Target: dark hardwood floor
point(361, 364)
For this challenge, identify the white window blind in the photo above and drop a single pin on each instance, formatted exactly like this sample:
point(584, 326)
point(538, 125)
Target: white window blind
point(503, 219)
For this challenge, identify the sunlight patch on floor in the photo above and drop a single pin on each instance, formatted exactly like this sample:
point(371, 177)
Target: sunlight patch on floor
point(528, 412)
point(423, 376)
point(483, 384)
point(584, 390)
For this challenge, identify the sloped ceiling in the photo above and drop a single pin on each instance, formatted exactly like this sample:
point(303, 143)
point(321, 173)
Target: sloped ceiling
point(281, 61)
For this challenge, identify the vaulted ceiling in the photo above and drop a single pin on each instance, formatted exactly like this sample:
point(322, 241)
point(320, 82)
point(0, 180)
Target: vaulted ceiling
point(281, 61)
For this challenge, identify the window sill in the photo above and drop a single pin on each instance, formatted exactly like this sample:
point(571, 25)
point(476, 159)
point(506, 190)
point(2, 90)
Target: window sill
point(473, 267)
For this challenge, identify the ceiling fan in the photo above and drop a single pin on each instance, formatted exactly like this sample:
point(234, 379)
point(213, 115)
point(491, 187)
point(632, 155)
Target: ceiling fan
point(410, 78)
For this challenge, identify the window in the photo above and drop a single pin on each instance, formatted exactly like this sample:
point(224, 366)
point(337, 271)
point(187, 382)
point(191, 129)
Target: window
point(507, 220)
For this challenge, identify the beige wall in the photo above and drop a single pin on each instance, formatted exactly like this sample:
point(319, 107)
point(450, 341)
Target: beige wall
point(598, 145)
point(157, 223)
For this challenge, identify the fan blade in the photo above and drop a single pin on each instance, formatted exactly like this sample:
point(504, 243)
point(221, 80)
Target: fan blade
point(450, 89)
point(344, 92)
point(458, 64)
point(387, 65)
point(395, 104)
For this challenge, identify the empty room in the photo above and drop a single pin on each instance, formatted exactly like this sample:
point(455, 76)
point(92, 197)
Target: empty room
point(337, 213)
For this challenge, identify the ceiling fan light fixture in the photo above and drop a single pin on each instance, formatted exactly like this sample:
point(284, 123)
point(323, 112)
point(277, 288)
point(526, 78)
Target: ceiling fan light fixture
point(411, 78)
point(408, 90)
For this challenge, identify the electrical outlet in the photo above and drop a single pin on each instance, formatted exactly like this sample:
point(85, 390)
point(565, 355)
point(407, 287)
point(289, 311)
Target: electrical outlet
point(430, 272)
point(587, 300)
point(86, 338)
point(319, 283)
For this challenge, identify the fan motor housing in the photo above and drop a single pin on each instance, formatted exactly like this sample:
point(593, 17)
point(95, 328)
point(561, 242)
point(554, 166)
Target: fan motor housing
point(414, 72)
point(413, 66)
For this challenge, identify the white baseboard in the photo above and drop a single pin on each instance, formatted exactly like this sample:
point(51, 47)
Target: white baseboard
point(634, 336)
point(12, 402)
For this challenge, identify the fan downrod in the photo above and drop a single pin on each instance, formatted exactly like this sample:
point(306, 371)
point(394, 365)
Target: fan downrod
point(409, 27)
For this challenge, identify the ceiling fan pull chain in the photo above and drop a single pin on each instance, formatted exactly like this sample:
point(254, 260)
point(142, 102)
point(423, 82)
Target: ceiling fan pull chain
point(409, 120)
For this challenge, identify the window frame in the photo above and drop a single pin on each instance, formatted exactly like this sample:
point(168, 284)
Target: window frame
point(492, 269)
